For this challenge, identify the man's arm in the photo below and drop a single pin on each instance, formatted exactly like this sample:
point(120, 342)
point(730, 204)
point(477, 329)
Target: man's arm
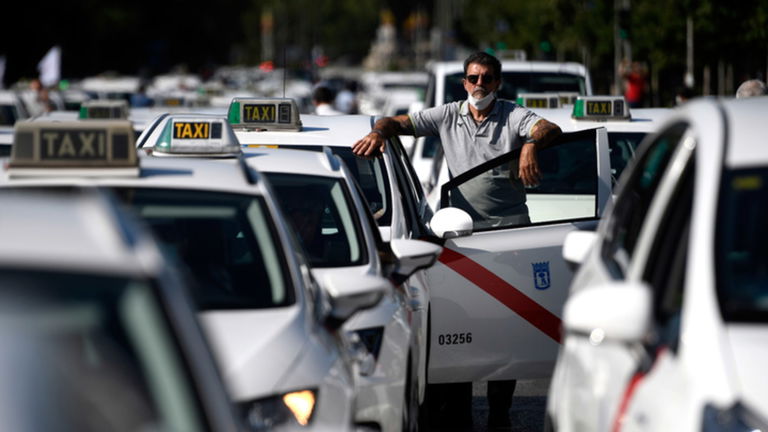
point(542, 134)
point(383, 128)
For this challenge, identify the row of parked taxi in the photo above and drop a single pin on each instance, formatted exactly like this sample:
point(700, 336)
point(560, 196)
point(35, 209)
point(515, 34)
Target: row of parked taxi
point(322, 306)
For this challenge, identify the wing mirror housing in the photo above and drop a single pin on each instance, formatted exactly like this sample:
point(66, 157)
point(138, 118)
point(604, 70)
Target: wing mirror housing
point(412, 255)
point(616, 311)
point(451, 222)
point(577, 245)
point(350, 295)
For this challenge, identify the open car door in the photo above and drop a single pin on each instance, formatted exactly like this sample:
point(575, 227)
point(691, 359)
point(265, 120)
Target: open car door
point(499, 287)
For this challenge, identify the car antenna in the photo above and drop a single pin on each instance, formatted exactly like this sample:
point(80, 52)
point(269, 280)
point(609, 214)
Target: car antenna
point(285, 66)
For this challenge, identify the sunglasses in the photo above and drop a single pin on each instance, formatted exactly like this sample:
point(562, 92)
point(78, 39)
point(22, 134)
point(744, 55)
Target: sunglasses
point(486, 78)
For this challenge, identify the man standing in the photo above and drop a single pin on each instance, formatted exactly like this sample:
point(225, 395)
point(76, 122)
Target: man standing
point(472, 132)
point(322, 98)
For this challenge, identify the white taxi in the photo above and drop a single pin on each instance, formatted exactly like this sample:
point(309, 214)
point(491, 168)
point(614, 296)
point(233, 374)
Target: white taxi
point(328, 211)
point(98, 331)
point(496, 287)
point(11, 110)
point(666, 328)
point(273, 329)
point(388, 183)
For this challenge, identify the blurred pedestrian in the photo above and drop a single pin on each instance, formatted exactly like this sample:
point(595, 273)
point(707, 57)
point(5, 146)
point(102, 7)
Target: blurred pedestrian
point(322, 98)
point(346, 99)
point(634, 75)
point(750, 88)
point(683, 95)
point(140, 98)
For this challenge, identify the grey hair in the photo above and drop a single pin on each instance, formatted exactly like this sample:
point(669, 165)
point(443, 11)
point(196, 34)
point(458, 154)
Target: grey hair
point(749, 88)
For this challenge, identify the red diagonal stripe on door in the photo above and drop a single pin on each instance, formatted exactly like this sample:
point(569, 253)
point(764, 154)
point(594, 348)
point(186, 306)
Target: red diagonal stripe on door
point(511, 297)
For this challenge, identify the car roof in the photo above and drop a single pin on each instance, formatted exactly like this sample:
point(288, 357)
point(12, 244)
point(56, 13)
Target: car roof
point(76, 229)
point(746, 130)
point(642, 120)
point(443, 68)
point(332, 131)
point(8, 97)
point(163, 172)
point(269, 160)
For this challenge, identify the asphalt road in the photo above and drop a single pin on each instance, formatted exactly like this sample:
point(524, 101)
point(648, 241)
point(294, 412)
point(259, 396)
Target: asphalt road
point(526, 414)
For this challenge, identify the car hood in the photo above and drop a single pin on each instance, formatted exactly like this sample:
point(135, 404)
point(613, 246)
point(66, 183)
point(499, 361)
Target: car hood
point(749, 345)
point(255, 349)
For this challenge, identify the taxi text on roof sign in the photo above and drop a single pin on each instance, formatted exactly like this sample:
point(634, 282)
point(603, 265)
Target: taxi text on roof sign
point(539, 100)
point(264, 114)
point(104, 109)
point(197, 135)
point(600, 108)
point(99, 144)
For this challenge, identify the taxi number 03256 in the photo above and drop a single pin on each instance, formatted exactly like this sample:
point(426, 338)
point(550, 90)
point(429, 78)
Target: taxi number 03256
point(454, 339)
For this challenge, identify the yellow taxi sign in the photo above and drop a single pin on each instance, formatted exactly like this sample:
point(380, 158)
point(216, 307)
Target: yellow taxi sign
point(539, 100)
point(264, 114)
point(600, 108)
point(107, 145)
point(104, 109)
point(185, 134)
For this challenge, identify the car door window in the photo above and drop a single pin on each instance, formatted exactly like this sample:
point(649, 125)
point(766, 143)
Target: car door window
point(665, 269)
point(495, 198)
point(411, 194)
point(634, 198)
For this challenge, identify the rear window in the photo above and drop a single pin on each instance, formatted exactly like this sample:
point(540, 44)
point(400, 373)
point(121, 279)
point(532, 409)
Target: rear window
point(226, 242)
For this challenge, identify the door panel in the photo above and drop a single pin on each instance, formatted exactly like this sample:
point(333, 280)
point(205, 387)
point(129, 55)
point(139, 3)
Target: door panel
point(497, 294)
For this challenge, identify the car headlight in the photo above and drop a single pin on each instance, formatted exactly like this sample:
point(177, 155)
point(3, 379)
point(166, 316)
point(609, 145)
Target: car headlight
point(294, 408)
point(737, 418)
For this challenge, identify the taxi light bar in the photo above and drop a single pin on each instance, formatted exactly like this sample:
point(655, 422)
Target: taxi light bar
point(96, 147)
point(539, 100)
point(568, 98)
point(264, 114)
point(600, 108)
point(104, 109)
point(197, 136)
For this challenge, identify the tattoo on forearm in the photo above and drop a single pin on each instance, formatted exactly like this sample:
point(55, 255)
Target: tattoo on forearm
point(399, 125)
point(545, 132)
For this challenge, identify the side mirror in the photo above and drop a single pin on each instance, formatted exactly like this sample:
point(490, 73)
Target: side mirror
point(412, 255)
point(577, 245)
point(349, 295)
point(451, 222)
point(617, 311)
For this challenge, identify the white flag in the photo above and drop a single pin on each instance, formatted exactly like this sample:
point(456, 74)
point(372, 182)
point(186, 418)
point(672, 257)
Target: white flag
point(50, 67)
point(2, 71)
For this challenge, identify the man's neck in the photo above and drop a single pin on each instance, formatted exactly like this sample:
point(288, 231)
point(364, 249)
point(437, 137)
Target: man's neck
point(480, 115)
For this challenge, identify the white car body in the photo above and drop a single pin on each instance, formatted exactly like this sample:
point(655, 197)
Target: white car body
point(686, 361)
point(383, 392)
point(92, 242)
point(484, 303)
point(405, 209)
point(263, 353)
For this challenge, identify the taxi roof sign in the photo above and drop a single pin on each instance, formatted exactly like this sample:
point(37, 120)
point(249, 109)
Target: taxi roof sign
point(264, 114)
point(97, 147)
point(197, 135)
point(104, 109)
point(539, 100)
point(600, 108)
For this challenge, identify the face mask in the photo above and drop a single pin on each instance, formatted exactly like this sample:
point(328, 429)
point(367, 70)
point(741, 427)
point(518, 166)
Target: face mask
point(482, 103)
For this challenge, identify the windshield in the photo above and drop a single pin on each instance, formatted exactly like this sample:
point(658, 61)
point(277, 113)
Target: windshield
point(520, 82)
point(371, 175)
point(742, 252)
point(321, 212)
point(226, 242)
point(90, 352)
